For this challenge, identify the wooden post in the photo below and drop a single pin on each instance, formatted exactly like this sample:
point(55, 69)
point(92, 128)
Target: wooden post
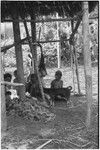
point(76, 63)
point(58, 44)
point(3, 103)
point(77, 73)
point(19, 60)
point(72, 67)
point(87, 63)
point(33, 31)
point(35, 60)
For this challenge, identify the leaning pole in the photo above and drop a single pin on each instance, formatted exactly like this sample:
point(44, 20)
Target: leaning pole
point(87, 62)
point(19, 59)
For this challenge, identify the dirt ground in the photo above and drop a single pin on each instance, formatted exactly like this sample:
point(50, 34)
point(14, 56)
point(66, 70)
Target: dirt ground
point(66, 131)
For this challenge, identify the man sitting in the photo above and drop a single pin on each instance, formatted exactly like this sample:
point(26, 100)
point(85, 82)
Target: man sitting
point(33, 88)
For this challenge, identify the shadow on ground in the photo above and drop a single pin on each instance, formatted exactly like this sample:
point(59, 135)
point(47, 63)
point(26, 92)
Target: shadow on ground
point(66, 131)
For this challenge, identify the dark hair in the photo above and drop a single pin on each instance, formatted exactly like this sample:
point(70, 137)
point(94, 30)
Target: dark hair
point(15, 72)
point(33, 76)
point(8, 93)
point(58, 73)
point(7, 75)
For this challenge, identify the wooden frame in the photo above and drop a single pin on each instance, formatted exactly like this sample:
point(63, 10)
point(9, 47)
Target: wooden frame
point(46, 20)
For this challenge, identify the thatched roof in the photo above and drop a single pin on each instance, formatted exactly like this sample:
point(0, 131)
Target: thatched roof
point(39, 8)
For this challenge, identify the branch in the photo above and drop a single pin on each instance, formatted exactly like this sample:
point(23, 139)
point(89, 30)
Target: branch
point(40, 147)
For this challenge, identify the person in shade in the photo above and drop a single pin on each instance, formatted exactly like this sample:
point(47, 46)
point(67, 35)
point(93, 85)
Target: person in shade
point(57, 82)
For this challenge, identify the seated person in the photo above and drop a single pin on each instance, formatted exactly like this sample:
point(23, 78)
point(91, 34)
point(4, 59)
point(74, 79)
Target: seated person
point(9, 105)
point(57, 82)
point(33, 87)
point(7, 78)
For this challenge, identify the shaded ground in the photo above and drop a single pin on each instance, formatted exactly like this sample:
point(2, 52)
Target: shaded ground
point(66, 131)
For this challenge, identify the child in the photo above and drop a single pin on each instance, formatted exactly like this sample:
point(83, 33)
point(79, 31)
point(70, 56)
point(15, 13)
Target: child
point(32, 87)
point(34, 90)
point(57, 82)
point(7, 78)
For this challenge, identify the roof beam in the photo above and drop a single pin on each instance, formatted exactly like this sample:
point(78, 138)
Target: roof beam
point(25, 42)
point(49, 41)
point(45, 20)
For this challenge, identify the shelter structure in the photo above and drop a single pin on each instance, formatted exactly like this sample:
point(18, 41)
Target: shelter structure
point(30, 11)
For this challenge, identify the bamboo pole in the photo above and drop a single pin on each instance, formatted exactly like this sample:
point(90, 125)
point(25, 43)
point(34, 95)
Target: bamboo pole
point(87, 63)
point(19, 60)
point(31, 47)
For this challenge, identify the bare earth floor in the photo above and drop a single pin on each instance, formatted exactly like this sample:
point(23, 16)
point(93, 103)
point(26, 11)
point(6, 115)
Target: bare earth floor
point(66, 131)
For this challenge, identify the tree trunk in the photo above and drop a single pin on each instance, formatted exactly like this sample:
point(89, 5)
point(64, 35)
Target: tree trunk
point(87, 63)
point(3, 103)
point(19, 60)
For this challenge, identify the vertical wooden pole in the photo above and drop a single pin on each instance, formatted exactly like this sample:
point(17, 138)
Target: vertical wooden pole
point(72, 58)
point(3, 102)
point(35, 60)
point(58, 44)
point(87, 62)
point(33, 31)
point(72, 67)
point(76, 63)
point(77, 73)
point(19, 60)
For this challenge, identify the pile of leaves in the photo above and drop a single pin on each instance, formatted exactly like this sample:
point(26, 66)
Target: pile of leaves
point(30, 109)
